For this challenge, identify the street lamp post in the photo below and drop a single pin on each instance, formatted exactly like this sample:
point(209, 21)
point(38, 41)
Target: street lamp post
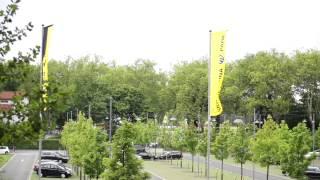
point(171, 129)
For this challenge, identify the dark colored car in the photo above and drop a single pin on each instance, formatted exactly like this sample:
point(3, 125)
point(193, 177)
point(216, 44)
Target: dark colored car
point(54, 169)
point(313, 173)
point(54, 156)
point(171, 155)
point(145, 155)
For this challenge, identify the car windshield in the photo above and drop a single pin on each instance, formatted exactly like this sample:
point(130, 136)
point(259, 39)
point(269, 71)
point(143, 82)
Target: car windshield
point(62, 167)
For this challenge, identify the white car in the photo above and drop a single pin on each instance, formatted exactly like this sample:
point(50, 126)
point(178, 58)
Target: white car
point(4, 150)
point(316, 153)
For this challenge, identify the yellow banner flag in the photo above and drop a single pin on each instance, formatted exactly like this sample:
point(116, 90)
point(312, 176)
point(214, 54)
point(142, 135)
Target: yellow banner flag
point(217, 68)
point(46, 37)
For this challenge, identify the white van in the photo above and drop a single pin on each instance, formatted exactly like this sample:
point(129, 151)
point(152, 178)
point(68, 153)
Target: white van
point(4, 150)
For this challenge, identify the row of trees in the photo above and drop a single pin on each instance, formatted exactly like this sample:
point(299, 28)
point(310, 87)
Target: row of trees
point(89, 150)
point(273, 144)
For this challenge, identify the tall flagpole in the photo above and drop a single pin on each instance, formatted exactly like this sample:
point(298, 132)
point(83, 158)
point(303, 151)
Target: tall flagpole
point(209, 117)
point(40, 112)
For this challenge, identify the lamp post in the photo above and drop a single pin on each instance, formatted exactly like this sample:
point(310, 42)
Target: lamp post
point(171, 129)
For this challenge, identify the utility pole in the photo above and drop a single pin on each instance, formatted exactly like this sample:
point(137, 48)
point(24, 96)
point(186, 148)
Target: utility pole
point(110, 123)
point(254, 136)
point(310, 118)
point(77, 114)
point(89, 111)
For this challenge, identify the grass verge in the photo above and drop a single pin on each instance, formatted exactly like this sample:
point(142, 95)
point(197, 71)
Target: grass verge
point(173, 171)
point(34, 176)
point(4, 159)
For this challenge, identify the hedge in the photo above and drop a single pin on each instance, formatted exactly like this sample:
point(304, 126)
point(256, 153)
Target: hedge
point(48, 144)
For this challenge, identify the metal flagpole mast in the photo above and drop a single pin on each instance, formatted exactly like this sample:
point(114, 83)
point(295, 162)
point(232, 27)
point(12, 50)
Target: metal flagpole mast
point(40, 112)
point(209, 117)
point(254, 136)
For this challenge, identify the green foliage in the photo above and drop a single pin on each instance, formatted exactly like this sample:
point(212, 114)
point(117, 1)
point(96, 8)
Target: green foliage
point(191, 142)
point(179, 139)
point(266, 146)
point(123, 164)
point(165, 138)
point(292, 160)
point(86, 145)
point(239, 144)
point(220, 147)
point(146, 132)
point(188, 88)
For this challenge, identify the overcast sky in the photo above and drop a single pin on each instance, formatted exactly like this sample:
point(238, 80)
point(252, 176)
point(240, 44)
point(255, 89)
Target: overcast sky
point(169, 31)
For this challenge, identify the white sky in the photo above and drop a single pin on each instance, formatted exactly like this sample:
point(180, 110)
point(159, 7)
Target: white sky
point(168, 31)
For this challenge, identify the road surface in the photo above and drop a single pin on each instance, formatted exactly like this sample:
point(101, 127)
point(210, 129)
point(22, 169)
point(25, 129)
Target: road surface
point(20, 166)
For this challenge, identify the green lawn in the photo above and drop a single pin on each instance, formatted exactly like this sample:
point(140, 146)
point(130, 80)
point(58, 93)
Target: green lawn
point(4, 158)
point(165, 170)
point(274, 170)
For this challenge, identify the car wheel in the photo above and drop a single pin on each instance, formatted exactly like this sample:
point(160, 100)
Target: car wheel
point(63, 175)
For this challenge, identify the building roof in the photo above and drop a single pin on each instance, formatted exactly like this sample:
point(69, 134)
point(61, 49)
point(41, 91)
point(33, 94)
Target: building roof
point(9, 95)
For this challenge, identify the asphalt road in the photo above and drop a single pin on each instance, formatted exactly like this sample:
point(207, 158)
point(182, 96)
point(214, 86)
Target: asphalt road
point(235, 169)
point(20, 166)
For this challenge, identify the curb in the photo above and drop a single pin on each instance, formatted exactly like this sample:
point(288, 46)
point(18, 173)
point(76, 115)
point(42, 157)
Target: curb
point(155, 175)
point(1, 168)
point(31, 171)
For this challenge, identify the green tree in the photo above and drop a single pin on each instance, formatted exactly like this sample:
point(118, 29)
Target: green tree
point(188, 88)
point(86, 145)
point(221, 144)
point(191, 142)
point(179, 140)
point(123, 164)
point(294, 162)
point(307, 79)
point(13, 70)
point(265, 150)
point(202, 148)
point(239, 145)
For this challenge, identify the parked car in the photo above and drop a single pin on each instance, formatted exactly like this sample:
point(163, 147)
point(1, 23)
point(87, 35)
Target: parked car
point(139, 148)
point(43, 161)
point(171, 155)
point(145, 155)
point(54, 156)
point(312, 172)
point(54, 169)
point(153, 145)
point(4, 150)
point(316, 153)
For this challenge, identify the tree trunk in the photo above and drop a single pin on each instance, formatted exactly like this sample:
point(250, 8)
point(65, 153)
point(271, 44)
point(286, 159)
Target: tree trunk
point(198, 163)
point(192, 163)
point(268, 172)
point(181, 160)
point(222, 169)
point(241, 171)
point(80, 174)
point(206, 165)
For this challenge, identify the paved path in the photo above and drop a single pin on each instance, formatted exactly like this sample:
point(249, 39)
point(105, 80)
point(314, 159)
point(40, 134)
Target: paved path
point(20, 166)
point(235, 169)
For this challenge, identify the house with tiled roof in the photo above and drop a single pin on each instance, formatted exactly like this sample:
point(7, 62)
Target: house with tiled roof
point(7, 103)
